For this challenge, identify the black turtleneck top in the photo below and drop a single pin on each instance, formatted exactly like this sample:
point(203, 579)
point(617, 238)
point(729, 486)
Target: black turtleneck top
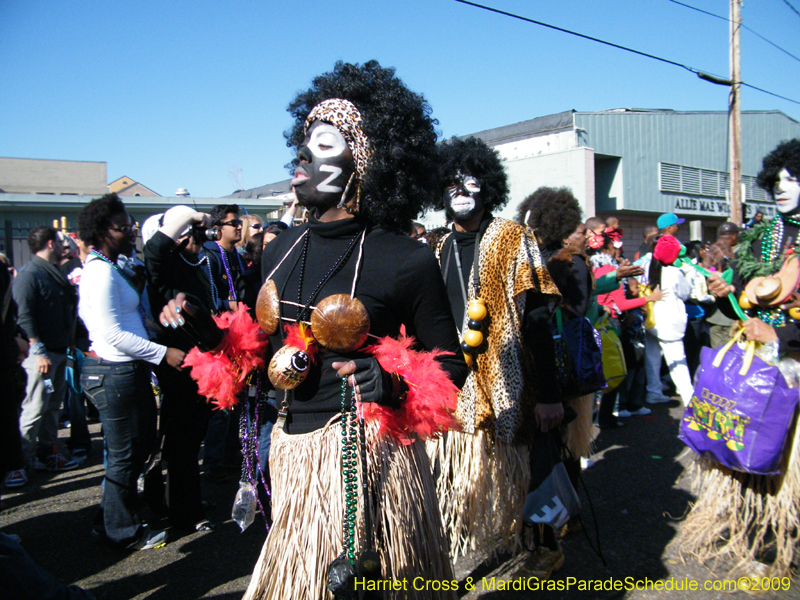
point(399, 283)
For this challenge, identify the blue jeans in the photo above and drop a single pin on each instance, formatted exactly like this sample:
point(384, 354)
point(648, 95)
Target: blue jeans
point(23, 579)
point(124, 397)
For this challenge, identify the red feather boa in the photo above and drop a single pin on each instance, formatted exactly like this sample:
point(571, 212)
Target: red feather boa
point(429, 408)
point(221, 374)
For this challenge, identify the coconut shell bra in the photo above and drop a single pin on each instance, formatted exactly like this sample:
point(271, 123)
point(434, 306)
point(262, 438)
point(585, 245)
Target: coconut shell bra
point(339, 322)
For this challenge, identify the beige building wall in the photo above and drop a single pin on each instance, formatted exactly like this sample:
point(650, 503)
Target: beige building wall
point(35, 176)
point(573, 168)
point(120, 184)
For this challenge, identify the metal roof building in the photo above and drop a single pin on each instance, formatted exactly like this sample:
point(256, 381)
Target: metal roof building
point(639, 163)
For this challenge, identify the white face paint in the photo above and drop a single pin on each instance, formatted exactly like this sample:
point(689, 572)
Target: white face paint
point(324, 166)
point(462, 196)
point(326, 141)
point(334, 173)
point(787, 192)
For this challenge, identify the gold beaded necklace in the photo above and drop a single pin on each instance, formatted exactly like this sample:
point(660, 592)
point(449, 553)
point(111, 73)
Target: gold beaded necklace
point(476, 310)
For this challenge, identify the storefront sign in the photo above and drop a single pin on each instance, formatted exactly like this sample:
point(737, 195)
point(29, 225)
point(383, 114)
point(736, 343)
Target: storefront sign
point(713, 207)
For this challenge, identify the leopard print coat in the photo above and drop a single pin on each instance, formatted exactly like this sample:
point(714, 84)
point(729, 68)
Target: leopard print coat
point(500, 393)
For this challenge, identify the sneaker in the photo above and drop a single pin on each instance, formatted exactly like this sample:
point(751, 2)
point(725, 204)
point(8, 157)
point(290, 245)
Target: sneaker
point(55, 462)
point(150, 540)
point(657, 399)
point(80, 455)
point(640, 412)
point(542, 563)
point(623, 413)
point(16, 479)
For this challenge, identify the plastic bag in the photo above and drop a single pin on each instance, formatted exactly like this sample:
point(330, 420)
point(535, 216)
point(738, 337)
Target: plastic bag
point(244, 506)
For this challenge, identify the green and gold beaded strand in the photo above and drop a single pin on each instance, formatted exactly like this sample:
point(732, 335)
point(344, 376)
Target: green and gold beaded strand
point(349, 472)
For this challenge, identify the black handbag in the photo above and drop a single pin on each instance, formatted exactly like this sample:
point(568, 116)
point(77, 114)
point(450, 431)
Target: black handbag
point(579, 358)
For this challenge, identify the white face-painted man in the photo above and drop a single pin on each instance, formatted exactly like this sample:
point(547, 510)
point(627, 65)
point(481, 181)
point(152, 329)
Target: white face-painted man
point(786, 192)
point(325, 166)
point(462, 199)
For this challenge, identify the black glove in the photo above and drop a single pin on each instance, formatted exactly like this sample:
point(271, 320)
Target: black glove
point(378, 386)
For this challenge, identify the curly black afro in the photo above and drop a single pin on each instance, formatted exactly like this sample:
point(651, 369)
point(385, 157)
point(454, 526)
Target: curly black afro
point(400, 179)
point(554, 213)
point(474, 157)
point(95, 218)
point(787, 155)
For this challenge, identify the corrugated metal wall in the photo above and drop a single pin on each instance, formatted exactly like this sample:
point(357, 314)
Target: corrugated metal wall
point(698, 139)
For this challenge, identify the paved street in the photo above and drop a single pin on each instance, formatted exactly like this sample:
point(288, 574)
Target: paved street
point(634, 488)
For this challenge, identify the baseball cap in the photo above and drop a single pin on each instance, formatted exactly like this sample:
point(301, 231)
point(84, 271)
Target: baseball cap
point(668, 219)
point(180, 213)
point(728, 228)
point(667, 249)
point(150, 226)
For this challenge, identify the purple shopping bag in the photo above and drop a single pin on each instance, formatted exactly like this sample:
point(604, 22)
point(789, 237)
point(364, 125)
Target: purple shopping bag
point(740, 412)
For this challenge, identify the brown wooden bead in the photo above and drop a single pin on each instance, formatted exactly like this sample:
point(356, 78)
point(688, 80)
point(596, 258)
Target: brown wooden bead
point(268, 307)
point(340, 323)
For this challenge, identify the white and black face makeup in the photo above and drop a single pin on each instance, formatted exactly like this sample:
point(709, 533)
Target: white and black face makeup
point(462, 198)
point(786, 192)
point(326, 164)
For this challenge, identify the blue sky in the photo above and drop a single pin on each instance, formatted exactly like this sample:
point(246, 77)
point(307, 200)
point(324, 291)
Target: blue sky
point(193, 94)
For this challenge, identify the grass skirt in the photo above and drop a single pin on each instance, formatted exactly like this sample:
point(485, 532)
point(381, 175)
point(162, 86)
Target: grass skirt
point(307, 506)
point(481, 483)
point(744, 524)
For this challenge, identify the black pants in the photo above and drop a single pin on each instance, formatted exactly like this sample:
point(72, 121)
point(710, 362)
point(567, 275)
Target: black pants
point(184, 420)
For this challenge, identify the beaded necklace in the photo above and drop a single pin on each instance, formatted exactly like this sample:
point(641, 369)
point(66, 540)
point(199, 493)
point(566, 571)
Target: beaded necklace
point(771, 253)
point(304, 309)
point(474, 310)
point(204, 260)
point(232, 296)
point(115, 266)
point(349, 471)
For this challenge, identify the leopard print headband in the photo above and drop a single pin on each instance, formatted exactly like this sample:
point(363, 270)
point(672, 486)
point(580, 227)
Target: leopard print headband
point(343, 115)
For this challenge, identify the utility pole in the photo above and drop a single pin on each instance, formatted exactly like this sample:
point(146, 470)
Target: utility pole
point(735, 118)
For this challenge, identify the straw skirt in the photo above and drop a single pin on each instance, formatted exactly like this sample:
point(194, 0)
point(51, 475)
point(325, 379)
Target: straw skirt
point(481, 484)
point(745, 524)
point(307, 506)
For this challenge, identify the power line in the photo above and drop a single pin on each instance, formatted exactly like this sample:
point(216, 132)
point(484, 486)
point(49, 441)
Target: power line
point(575, 33)
point(613, 45)
point(705, 12)
point(792, 7)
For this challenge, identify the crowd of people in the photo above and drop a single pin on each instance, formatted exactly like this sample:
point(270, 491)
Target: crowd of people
point(382, 399)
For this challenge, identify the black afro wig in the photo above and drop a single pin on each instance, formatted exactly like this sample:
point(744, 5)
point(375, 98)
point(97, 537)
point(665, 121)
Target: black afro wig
point(787, 155)
point(400, 179)
point(474, 157)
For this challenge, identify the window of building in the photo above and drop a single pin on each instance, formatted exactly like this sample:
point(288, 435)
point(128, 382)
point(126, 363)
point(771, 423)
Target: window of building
point(704, 182)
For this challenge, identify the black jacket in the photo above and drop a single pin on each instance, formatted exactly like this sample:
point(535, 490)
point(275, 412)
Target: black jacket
point(47, 304)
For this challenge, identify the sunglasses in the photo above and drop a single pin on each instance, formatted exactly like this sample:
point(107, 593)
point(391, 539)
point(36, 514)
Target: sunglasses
point(233, 223)
point(256, 226)
point(125, 229)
